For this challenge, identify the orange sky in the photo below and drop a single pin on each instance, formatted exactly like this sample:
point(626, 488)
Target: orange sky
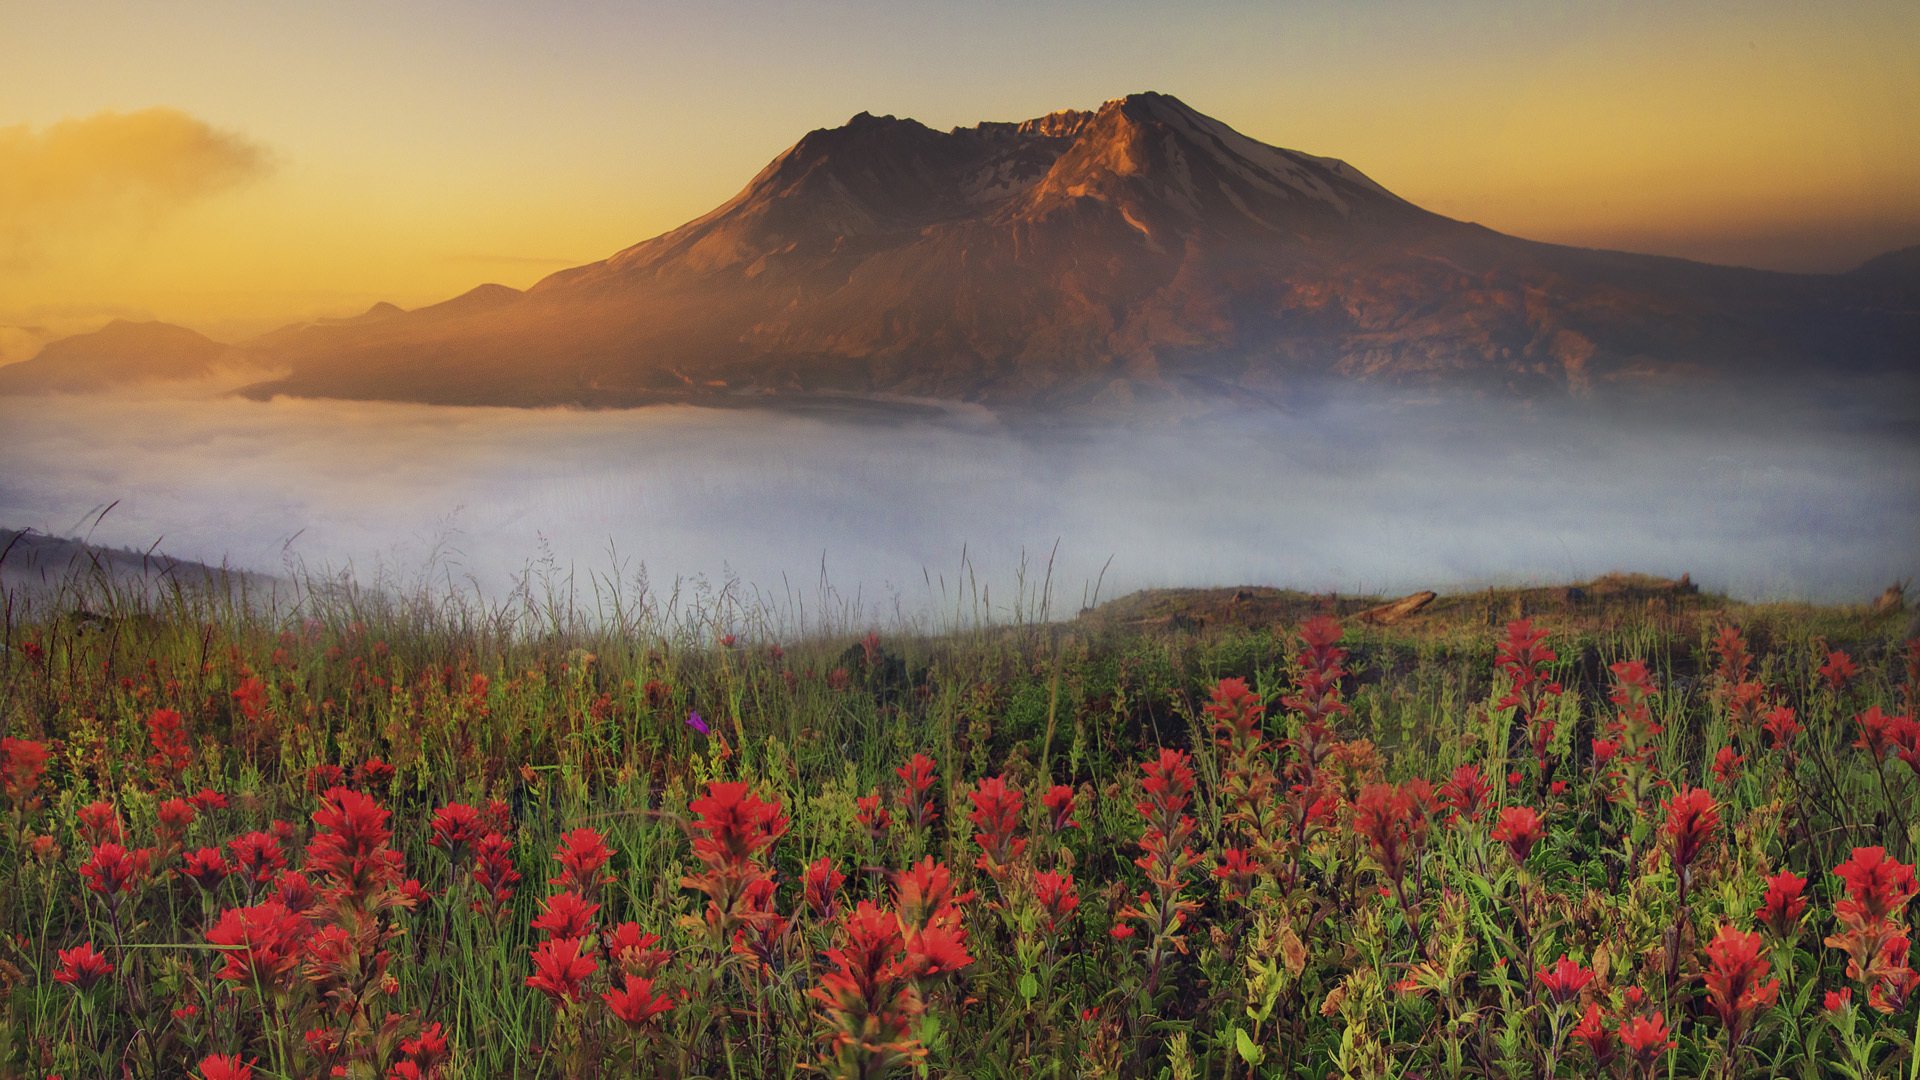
point(234, 165)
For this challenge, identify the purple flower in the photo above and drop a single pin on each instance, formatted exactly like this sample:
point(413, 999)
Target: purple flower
point(697, 724)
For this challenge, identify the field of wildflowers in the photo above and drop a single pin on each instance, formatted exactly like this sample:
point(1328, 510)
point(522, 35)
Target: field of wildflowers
point(376, 846)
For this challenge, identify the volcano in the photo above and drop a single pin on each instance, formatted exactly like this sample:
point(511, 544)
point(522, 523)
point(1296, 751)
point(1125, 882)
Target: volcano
point(1102, 259)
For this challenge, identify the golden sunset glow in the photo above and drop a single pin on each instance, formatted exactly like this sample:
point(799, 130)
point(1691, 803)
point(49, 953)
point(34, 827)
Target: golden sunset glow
point(236, 167)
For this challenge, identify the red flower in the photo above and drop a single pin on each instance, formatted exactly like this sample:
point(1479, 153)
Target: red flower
point(493, 871)
point(1881, 734)
point(81, 967)
point(206, 867)
point(996, 813)
point(1731, 648)
point(1520, 829)
point(919, 777)
point(1466, 791)
point(1238, 871)
point(583, 854)
point(22, 764)
point(1781, 727)
point(822, 887)
point(1564, 980)
point(375, 773)
point(429, 1049)
point(566, 915)
point(1726, 765)
point(1059, 804)
point(208, 799)
point(1838, 1000)
point(350, 853)
point(735, 825)
point(251, 696)
point(456, 826)
point(294, 890)
point(1236, 712)
point(1877, 887)
point(261, 943)
point(112, 869)
point(257, 855)
point(1783, 904)
point(1737, 983)
point(559, 969)
point(633, 951)
point(937, 949)
point(1592, 1032)
point(225, 1067)
point(1646, 1038)
point(1056, 895)
point(1394, 822)
point(167, 733)
point(924, 895)
point(867, 999)
point(1838, 670)
point(99, 821)
point(635, 1003)
point(1691, 821)
point(876, 819)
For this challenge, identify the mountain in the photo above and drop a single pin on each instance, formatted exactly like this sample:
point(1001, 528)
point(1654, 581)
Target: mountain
point(124, 353)
point(1134, 253)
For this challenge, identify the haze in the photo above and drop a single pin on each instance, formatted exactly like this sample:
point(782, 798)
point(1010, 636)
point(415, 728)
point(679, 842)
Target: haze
point(1357, 492)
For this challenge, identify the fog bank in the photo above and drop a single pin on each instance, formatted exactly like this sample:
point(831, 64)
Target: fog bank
point(1354, 492)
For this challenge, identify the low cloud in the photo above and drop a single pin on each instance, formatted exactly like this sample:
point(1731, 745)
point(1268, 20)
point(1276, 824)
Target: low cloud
point(110, 171)
point(1777, 499)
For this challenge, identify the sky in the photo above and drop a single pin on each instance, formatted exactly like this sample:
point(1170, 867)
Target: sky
point(233, 166)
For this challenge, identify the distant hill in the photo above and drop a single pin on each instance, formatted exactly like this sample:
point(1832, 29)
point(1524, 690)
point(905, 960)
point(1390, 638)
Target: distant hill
point(123, 354)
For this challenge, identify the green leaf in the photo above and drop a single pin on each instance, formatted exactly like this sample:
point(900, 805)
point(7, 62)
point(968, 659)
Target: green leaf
point(1249, 1053)
point(1029, 986)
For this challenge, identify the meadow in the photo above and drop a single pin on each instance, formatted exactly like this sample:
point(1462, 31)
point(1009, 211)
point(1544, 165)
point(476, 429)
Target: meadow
point(1534, 833)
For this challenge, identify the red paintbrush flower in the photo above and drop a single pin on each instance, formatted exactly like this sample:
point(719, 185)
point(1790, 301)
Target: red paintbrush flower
point(996, 813)
point(206, 867)
point(429, 1049)
point(1646, 1038)
point(1877, 887)
point(112, 869)
point(292, 888)
point(1520, 829)
point(251, 697)
point(635, 1003)
point(583, 855)
point(1692, 819)
point(872, 816)
point(633, 951)
point(1838, 670)
point(208, 799)
point(1057, 897)
point(1465, 792)
point(261, 943)
point(257, 855)
point(822, 883)
point(919, 777)
point(167, 734)
point(1238, 871)
point(560, 968)
point(225, 1067)
point(1782, 905)
point(456, 827)
point(1593, 1033)
point(349, 855)
point(1726, 765)
point(493, 871)
point(1781, 728)
point(1236, 712)
point(99, 822)
point(22, 763)
point(81, 967)
point(1059, 805)
point(923, 894)
point(1564, 980)
point(936, 950)
point(566, 915)
point(1737, 983)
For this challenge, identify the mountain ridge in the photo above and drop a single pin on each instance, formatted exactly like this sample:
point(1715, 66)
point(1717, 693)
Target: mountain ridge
point(1140, 251)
